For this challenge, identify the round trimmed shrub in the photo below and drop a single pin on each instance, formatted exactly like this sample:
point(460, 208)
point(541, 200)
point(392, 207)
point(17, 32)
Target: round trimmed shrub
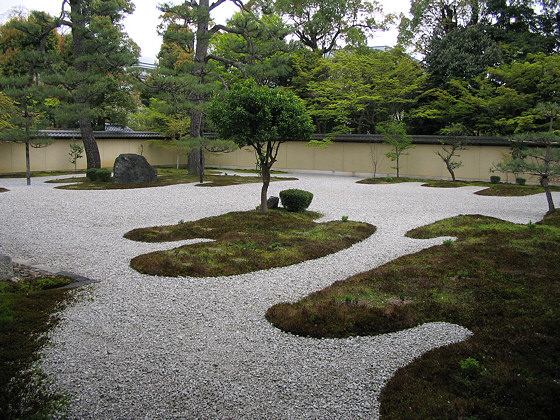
point(495, 179)
point(520, 181)
point(295, 200)
point(104, 175)
point(91, 174)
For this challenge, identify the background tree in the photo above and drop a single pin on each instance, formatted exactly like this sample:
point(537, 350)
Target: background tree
point(356, 89)
point(95, 72)
point(75, 153)
point(5, 105)
point(261, 118)
point(258, 49)
point(541, 158)
point(189, 63)
point(451, 145)
point(321, 25)
point(463, 53)
point(22, 43)
point(394, 135)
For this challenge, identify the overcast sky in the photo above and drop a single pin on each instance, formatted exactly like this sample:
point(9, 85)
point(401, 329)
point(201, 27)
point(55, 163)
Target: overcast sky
point(142, 24)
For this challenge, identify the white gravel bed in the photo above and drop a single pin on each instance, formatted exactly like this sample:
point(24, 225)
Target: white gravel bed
point(138, 346)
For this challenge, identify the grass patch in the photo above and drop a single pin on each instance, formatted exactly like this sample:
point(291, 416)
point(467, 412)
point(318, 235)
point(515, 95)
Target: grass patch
point(39, 174)
point(3, 190)
point(495, 190)
point(500, 280)
point(26, 310)
point(245, 242)
point(248, 171)
point(166, 176)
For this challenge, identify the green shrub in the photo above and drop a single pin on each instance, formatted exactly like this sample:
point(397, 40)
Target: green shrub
point(295, 200)
point(520, 181)
point(104, 175)
point(91, 174)
point(470, 368)
point(495, 179)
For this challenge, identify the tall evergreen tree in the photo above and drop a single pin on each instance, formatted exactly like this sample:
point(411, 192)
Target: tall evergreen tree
point(23, 42)
point(95, 74)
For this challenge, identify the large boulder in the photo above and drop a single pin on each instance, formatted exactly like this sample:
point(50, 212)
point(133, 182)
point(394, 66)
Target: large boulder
point(130, 168)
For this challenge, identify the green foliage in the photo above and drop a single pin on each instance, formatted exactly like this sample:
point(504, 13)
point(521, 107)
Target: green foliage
point(394, 135)
point(257, 48)
point(104, 175)
point(470, 367)
point(91, 174)
point(508, 299)
point(261, 118)
point(244, 242)
point(353, 91)
point(495, 179)
point(520, 181)
point(27, 311)
point(321, 24)
point(449, 243)
point(542, 160)
point(463, 53)
point(75, 153)
point(451, 146)
point(295, 200)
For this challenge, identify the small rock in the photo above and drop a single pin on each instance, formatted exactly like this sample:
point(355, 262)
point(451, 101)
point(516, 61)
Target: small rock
point(272, 202)
point(6, 268)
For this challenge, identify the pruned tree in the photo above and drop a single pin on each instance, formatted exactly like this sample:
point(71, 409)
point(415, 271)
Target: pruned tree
point(541, 159)
point(75, 153)
point(94, 71)
point(261, 118)
point(394, 135)
point(186, 65)
point(22, 40)
point(451, 146)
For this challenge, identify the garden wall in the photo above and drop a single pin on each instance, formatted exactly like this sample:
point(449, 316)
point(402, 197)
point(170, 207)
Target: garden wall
point(348, 155)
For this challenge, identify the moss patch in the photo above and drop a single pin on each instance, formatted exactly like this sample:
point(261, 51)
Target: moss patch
point(500, 280)
point(26, 310)
point(495, 190)
point(3, 190)
point(245, 242)
point(166, 176)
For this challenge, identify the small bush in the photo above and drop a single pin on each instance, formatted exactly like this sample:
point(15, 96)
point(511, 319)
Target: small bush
point(295, 200)
point(104, 175)
point(388, 179)
point(91, 174)
point(495, 179)
point(470, 368)
point(449, 243)
point(520, 181)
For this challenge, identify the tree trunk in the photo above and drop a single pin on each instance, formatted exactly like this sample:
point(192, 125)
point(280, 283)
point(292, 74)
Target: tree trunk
point(264, 190)
point(450, 169)
point(27, 163)
point(90, 145)
point(86, 128)
point(550, 201)
point(196, 157)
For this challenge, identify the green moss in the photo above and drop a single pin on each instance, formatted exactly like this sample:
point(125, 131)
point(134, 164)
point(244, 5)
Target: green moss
point(244, 242)
point(502, 281)
point(26, 310)
point(495, 190)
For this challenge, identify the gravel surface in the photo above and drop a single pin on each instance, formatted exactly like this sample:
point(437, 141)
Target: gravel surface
point(138, 346)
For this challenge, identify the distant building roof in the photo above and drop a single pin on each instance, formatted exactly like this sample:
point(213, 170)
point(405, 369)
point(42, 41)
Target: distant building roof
point(108, 134)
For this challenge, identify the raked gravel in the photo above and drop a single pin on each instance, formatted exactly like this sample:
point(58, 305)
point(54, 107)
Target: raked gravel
point(138, 346)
